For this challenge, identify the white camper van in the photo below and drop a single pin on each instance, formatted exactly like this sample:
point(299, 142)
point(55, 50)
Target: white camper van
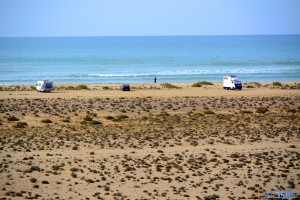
point(231, 82)
point(44, 86)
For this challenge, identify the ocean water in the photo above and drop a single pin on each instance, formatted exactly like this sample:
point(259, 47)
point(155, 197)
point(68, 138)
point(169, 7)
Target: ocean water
point(140, 59)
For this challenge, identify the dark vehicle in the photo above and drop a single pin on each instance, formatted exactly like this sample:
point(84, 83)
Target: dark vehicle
point(125, 87)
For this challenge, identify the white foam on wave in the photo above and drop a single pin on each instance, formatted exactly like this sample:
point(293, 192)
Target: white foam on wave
point(195, 72)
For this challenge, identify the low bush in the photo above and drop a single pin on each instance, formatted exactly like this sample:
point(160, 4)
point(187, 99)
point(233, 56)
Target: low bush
point(197, 114)
point(93, 122)
point(109, 117)
point(89, 120)
point(169, 86)
point(12, 118)
point(70, 87)
point(20, 125)
point(208, 112)
point(261, 110)
point(46, 121)
point(163, 114)
point(81, 87)
point(199, 84)
point(245, 112)
point(61, 87)
point(276, 84)
point(120, 118)
point(33, 180)
point(106, 88)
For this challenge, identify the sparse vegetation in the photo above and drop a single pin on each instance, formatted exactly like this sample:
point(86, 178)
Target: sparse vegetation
point(106, 88)
point(169, 86)
point(109, 117)
point(253, 85)
point(118, 118)
point(261, 110)
point(208, 112)
point(153, 145)
point(277, 84)
point(46, 121)
point(12, 118)
point(200, 84)
point(81, 87)
point(70, 87)
point(20, 125)
point(245, 112)
point(88, 119)
point(33, 180)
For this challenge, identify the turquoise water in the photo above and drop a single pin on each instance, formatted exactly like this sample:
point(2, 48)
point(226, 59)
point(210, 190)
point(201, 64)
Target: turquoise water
point(140, 59)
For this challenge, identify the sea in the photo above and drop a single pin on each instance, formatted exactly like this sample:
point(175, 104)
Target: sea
point(133, 59)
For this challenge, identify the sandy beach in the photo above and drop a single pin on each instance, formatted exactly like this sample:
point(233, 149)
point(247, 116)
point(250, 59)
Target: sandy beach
point(154, 142)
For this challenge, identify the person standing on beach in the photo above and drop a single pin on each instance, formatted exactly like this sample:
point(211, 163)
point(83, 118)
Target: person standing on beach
point(155, 80)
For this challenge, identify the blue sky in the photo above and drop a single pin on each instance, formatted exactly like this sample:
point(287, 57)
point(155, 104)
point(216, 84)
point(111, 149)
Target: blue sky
point(29, 18)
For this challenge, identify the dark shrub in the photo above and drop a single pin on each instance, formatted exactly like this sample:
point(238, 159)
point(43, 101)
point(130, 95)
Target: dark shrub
point(47, 121)
point(261, 110)
point(20, 125)
point(81, 87)
point(208, 112)
point(199, 84)
point(169, 86)
point(12, 118)
point(276, 84)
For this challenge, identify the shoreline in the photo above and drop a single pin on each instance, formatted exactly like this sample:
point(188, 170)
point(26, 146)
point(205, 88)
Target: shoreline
point(146, 83)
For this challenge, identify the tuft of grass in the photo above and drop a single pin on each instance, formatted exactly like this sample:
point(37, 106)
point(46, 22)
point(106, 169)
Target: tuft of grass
point(212, 197)
point(93, 122)
point(256, 84)
point(198, 84)
point(245, 112)
point(197, 114)
point(70, 87)
point(276, 84)
point(109, 117)
point(20, 125)
point(169, 86)
point(33, 180)
point(291, 110)
point(46, 121)
point(208, 112)
point(261, 110)
point(61, 87)
point(81, 87)
point(12, 118)
point(88, 119)
point(163, 114)
point(119, 118)
point(106, 88)
point(201, 83)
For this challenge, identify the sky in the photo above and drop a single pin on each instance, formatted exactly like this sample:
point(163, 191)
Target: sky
point(46, 18)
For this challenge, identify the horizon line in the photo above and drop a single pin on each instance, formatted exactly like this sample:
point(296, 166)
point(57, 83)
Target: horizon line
point(152, 35)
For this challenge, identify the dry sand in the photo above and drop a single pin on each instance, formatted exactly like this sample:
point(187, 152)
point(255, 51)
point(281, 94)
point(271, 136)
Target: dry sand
point(151, 143)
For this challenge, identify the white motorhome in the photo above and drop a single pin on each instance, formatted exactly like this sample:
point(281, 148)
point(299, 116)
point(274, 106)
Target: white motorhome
point(231, 82)
point(44, 86)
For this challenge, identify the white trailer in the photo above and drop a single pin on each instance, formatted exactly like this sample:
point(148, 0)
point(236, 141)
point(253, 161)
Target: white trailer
point(231, 82)
point(44, 86)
